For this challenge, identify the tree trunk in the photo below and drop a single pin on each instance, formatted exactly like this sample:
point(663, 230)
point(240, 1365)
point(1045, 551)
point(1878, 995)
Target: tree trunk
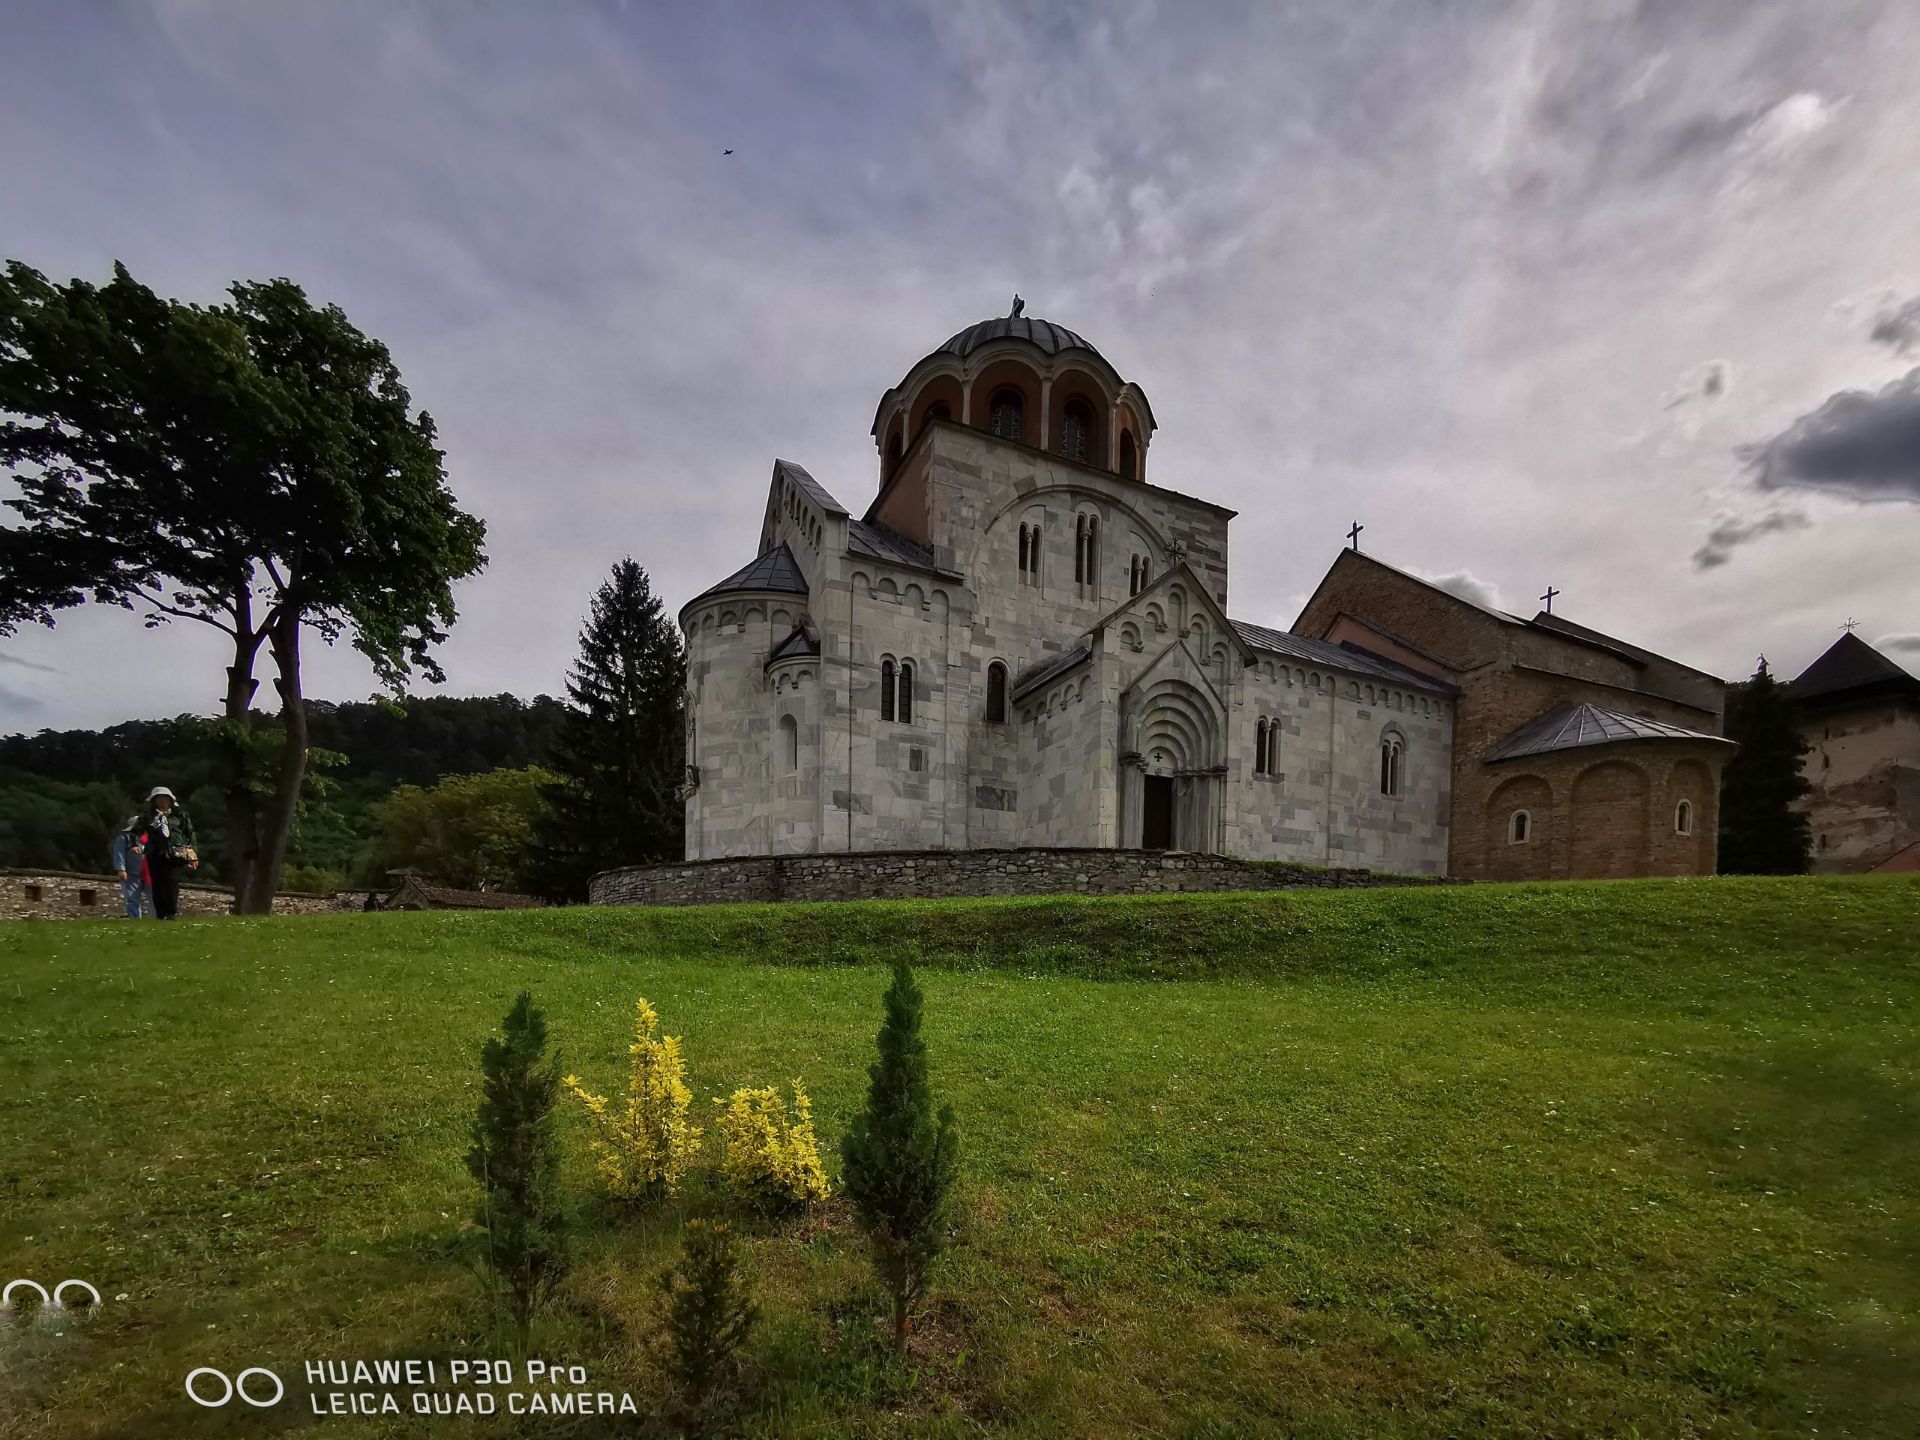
point(243, 831)
point(900, 1321)
point(276, 822)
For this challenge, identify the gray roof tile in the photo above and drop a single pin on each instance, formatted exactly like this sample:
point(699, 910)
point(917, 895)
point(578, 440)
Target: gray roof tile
point(1339, 657)
point(776, 570)
point(1573, 727)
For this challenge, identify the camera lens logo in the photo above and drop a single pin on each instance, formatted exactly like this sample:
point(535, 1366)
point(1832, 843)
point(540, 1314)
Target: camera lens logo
point(223, 1390)
point(53, 1301)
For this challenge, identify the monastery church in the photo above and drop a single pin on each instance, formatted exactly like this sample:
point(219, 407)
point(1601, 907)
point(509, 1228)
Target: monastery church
point(1024, 641)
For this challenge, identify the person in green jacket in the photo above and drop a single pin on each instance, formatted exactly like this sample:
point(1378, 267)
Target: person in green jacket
point(164, 833)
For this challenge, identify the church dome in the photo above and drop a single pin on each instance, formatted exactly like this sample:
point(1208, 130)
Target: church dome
point(1051, 338)
point(1025, 380)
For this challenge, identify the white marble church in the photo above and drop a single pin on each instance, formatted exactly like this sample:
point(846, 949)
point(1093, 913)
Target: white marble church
point(1022, 641)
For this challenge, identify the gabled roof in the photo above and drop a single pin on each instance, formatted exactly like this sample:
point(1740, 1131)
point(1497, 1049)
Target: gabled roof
point(775, 571)
point(1338, 657)
point(1849, 664)
point(813, 489)
point(1182, 571)
point(1573, 727)
point(883, 542)
point(1050, 669)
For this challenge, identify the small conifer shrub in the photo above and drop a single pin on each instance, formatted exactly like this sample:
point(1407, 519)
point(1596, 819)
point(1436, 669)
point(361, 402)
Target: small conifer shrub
point(768, 1153)
point(710, 1312)
point(644, 1145)
point(898, 1159)
point(516, 1158)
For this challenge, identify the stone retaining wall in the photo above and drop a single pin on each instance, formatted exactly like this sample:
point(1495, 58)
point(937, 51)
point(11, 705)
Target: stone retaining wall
point(68, 895)
point(937, 874)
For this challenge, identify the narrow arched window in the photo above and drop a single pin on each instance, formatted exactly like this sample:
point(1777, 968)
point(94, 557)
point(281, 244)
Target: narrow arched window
point(1080, 550)
point(1519, 827)
point(1129, 456)
point(886, 689)
point(1133, 577)
point(1093, 550)
point(1030, 551)
point(1260, 747)
point(1007, 414)
point(1023, 549)
point(1146, 571)
point(789, 754)
point(1390, 762)
point(906, 692)
point(1683, 818)
point(996, 694)
point(1273, 747)
point(1076, 424)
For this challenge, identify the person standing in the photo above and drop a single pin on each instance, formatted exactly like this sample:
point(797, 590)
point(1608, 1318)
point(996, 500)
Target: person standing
point(129, 863)
point(166, 834)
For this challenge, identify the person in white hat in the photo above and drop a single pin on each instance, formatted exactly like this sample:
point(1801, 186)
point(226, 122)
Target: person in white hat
point(165, 835)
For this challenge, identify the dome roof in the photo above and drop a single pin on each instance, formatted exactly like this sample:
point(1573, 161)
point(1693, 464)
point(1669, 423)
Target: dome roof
point(1050, 337)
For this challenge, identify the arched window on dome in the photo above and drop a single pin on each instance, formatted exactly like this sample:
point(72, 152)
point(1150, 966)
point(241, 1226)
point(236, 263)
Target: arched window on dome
point(1683, 818)
point(1519, 827)
point(1006, 413)
point(1076, 426)
point(1129, 456)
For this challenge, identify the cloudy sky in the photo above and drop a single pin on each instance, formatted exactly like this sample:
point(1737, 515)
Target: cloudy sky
point(1621, 297)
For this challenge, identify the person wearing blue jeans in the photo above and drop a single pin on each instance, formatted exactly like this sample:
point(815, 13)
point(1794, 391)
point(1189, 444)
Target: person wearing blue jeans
point(135, 897)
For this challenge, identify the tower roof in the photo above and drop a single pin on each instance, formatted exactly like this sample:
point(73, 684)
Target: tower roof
point(1850, 664)
point(1050, 337)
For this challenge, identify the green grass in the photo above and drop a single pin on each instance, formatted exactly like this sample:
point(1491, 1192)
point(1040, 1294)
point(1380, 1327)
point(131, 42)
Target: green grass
point(1620, 1159)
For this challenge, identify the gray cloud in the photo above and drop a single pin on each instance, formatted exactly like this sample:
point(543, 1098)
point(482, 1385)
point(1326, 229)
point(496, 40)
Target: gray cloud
point(6, 659)
point(1906, 641)
point(1897, 325)
point(1468, 587)
point(1861, 446)
point(1730, 532)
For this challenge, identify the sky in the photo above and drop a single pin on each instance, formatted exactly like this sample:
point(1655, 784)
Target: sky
point(1621, 298)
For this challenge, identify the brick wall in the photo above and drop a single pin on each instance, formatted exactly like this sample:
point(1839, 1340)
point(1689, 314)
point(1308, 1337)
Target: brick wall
point(65, 895)
point(942, 874)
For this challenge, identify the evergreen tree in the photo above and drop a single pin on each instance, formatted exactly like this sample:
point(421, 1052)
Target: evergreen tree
point(621, 753)
point(710, 1312)
point(898, 1160)
point(516, 1159)
point(1761, 831)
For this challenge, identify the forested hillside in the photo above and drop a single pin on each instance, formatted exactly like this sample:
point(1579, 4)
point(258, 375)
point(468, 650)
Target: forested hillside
point(62, 793)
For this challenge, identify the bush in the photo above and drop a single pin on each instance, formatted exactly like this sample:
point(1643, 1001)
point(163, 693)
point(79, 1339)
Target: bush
point(644, 1147)
point(516, 1159)
point(768, 1153)
point(898, 1160)
point(710, 1311)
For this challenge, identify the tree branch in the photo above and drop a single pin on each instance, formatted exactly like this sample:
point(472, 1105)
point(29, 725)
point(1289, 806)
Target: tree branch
point(167, 609)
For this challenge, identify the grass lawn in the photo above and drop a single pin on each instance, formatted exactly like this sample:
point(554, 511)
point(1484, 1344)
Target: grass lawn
point(1622, 1159)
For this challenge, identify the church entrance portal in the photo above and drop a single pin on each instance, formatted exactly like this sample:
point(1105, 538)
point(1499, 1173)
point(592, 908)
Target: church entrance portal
point(1156, 819)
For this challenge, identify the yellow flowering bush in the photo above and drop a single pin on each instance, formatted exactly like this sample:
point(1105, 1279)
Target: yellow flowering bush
point(768, 1152)
point(644, 1145)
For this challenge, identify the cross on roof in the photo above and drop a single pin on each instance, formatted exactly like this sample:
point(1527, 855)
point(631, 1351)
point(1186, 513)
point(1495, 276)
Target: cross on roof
point(1851, 625)
point(1547, 598)
point(1354, 534)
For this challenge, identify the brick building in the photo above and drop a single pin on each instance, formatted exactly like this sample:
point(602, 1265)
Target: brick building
point(1575, 755)
point(1859, 713)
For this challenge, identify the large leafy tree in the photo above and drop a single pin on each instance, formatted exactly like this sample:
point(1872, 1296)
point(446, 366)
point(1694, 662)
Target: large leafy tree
point(255, 466)
point(622, 748)
point(472, 831)
point(1762, 832)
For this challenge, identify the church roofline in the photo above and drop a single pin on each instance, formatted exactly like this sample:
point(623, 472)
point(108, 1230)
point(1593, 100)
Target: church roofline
point(1161, 582)
point(1330, 656)
point(1037, 676)
point(1573, 726)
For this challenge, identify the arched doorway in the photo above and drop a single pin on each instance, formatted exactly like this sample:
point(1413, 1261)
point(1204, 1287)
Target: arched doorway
point(1171, 770)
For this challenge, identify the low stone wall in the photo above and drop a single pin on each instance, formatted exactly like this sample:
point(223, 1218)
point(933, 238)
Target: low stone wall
point(937, 874)
point(67, 895)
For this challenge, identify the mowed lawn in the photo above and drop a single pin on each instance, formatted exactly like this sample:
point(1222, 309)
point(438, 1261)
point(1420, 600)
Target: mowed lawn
point(1622, 1159)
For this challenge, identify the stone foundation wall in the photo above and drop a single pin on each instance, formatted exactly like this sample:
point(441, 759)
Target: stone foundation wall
point(65, 895)
point(945, 874)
